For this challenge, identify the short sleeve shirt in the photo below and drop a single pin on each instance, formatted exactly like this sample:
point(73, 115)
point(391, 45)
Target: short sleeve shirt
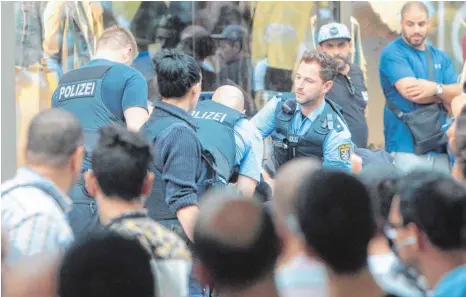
point(399, 60)
point(122, 87)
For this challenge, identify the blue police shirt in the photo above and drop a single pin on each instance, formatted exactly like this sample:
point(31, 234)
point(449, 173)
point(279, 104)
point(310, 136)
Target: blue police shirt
point(265, 123)
point(249, 149)
point(122, 87)
point(399, 60)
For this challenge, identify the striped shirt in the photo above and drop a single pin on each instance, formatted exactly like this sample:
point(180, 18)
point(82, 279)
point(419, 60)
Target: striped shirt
point(34, 219)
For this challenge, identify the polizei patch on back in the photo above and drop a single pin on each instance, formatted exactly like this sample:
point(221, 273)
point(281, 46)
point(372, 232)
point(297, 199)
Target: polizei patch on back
point(209, 115)
point(76, 90)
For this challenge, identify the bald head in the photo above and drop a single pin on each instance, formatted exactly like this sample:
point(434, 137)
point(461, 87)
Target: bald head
point(230, 96)
point(288, 181)
point(231, 233)
point(53, 136)
point(414, 5)
point(230, 219)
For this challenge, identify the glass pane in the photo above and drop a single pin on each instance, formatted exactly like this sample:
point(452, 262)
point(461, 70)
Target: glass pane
point(252, 45)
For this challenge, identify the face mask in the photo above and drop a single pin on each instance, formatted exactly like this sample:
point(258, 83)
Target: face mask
point(396, 247)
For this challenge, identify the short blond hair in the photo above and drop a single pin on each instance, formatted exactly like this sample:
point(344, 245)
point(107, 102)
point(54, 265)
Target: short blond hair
point(115, 38)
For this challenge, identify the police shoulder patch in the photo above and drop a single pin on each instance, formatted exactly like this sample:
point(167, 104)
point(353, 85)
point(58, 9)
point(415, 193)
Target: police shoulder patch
point(344, 151)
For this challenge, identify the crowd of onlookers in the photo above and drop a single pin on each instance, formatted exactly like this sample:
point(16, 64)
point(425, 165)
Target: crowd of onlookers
point(324, 233)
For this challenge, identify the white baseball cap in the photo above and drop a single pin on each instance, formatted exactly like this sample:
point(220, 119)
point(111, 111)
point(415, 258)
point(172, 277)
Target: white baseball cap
point(333, 31)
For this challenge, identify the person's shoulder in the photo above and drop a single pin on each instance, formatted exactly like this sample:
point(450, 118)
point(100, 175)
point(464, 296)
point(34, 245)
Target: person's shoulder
point(19, 199)
point(439, 53)
point(163, 243)
point(393, 48)
point(246, 127)
point(355, 69)
point(179, 133)
point(341, 130)
point(127, 72)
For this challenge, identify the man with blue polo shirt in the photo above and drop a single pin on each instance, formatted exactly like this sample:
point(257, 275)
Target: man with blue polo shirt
point(305, 123)
point(419, 82)
point(224, 130)
point(104, 91)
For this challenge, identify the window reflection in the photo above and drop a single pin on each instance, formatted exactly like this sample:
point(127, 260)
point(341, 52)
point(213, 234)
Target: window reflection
point(255, 45)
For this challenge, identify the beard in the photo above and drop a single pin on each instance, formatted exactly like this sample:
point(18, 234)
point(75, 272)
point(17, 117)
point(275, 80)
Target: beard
point(311, 100)
point(410, 39)
point(342, 62)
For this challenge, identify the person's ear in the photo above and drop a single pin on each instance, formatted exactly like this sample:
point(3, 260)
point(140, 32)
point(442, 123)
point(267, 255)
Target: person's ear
point(91, 183)
point(147, 184)
point(327, 86)
point(420, 239)
point(76, 160)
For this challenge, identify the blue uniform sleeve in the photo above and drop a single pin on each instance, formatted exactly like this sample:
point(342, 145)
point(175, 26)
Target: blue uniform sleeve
point(264, 120)
point(338, 148)
point(395, 66)
point(135, 92)
point(450, 76)
point(249, 149)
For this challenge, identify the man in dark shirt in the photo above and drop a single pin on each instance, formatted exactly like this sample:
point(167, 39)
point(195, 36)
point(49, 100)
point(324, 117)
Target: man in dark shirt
point(233, 50)
point(177, 166)
point(349, 89)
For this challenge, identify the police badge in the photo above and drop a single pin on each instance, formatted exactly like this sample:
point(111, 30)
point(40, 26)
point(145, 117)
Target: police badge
point(344, 152)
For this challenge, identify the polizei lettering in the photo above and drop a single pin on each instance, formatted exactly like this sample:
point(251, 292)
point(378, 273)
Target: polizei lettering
point(209, 115)
point(76, 91)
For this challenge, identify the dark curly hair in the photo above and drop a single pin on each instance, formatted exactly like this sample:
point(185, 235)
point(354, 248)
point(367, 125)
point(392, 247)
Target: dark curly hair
point(121, 161)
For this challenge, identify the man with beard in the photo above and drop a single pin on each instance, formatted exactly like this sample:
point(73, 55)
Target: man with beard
point(349, 89)
point(419, 82)
point(305, 123)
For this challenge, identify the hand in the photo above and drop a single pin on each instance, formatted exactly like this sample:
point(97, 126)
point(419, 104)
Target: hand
point(269, 180)
point(421, 89)
point(356, 164)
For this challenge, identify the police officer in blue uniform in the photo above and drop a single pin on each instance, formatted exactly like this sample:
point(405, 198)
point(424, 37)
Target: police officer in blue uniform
point(235, 143)
point(104, 91)
point(305, 123)
point(418, 81)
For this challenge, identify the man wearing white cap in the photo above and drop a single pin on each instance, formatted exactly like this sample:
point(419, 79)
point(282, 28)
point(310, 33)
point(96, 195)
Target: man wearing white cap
point(349, 89)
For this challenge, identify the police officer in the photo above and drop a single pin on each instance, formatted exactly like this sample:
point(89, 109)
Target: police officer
point(349, 89)
point(235, 142)
point(418, 80)
point(104, 91)
point(305, 123)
